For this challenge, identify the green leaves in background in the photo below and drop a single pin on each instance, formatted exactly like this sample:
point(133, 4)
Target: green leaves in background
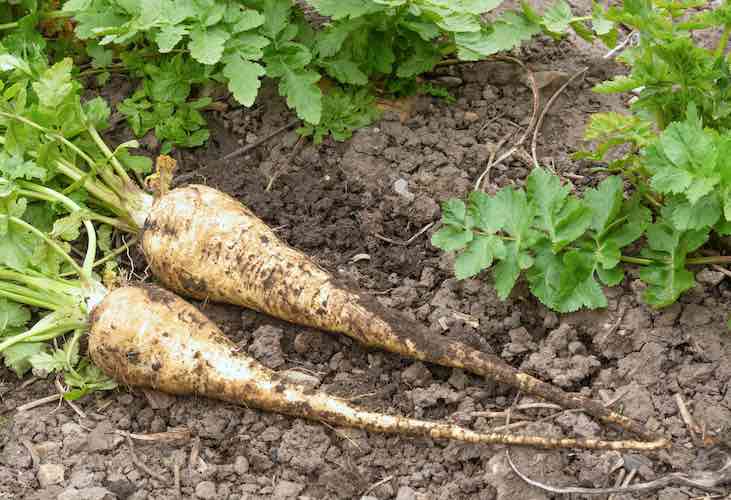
point(564, 244)
point(568, 247)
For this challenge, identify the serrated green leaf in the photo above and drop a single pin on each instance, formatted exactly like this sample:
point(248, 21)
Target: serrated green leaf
point(17, 356)
point(206, 45)
point(454, 212)
point(477, 256)
point(249, 20)
point(54, 85)
point(723, 228)
point(506, 272)
point(341, 9)
point(343, 111)
point(618, 84)
point(88, 378)
point(451, 238)
point(96, 113)
point(169, 36)
point(602, 26)
point(243, 78)
point(557, 18)
point(668, 278)
point(669, 179)
point(459, 22)
point(509, 31)
point(610, 277)
point(15, 167)
point(563, 216)
point(477, 6)
point(331, 39)
point(605, 203)
point(516, 214)
point(426, 30)
point(485, 212)
point(12, 315)
point(141, 165)
point(303, 94)
point(685, 215)
point(100, 56)
point(48, 363)
point(16, 247)
point(345, 71)
point(68, 228)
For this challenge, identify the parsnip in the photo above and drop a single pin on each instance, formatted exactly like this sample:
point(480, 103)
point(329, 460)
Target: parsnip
point(149, 337)
point(204, 244)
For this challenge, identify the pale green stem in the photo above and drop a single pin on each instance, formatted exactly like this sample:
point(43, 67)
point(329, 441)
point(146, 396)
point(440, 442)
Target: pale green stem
point(73, 207)
point(118, 167)
point(36, 335)
point(88, 214)
point(723, 42)
point(108, 196)
point(6, 291)
point(41, 282)
point(114, 253)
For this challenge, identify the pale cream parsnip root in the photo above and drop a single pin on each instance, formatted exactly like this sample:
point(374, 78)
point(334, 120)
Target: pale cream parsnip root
point(149, 337)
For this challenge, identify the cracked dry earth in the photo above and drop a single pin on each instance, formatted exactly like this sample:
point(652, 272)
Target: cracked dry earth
point(335, 202)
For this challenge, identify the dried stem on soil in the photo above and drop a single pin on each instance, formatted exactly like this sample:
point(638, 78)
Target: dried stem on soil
point(141, 465)
point(706, 481)
point(245, 149)
point(544, 112)
point(531, 123)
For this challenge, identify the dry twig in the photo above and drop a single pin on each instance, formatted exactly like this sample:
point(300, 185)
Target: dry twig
point(410, 240)
point(160, 437)
point(245, 149)
point(545, 110)
point(39, 402)
point(376, 485)
point(63, 390)
point(706, 481)
point(531, 123)
point(290, 158)
point(141, 465)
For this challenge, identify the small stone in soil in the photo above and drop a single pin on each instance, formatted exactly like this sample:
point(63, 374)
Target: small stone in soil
point(49, 474)
point(205, 490)
point(471, 117)
point(458, 379)
point(241, 465)
point(103, 437)
point(710, 277)
point(416, 375)
point(287, 489)
point(93, 493)
point(405, 493)
point(266, 347)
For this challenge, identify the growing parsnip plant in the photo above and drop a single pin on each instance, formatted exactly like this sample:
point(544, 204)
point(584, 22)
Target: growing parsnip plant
point(676, 154)
point(365, 47)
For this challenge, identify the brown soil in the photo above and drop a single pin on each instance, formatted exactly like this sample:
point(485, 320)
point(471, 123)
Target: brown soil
point(335, 202)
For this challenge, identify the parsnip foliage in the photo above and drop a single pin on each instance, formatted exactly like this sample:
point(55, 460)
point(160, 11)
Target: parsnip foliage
point(676, 155)
point(361, 46)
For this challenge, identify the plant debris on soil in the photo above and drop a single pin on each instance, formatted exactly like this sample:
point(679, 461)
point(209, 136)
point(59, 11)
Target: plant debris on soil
point(346, 204)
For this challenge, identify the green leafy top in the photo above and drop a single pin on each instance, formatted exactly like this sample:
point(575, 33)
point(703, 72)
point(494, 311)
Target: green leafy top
point(563, 243)
point(669, 67)
point(239, 42)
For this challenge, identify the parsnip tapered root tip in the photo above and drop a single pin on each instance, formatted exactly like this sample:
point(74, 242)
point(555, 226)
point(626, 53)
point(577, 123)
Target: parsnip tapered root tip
point(149, 337)
point(204, 244)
